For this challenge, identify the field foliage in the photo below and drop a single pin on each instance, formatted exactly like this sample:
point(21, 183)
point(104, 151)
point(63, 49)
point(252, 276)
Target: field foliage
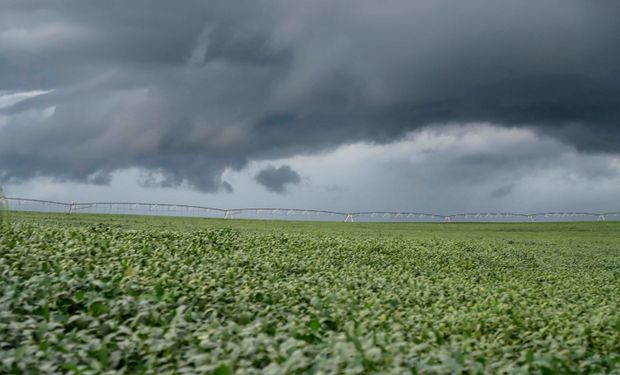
point(94, 298)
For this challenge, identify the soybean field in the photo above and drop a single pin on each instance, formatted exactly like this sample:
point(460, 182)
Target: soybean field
point(90, 294)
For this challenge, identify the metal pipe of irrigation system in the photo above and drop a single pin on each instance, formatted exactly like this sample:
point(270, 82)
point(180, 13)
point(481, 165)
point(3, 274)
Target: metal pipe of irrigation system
point(20, 204)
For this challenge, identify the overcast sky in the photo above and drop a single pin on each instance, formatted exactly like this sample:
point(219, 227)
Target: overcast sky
point(428, 105)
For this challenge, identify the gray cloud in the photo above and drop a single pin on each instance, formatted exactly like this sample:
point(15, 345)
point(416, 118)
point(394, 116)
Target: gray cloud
point(188, 90)
point(430, 170)
point(277, 179)
point(502, 191)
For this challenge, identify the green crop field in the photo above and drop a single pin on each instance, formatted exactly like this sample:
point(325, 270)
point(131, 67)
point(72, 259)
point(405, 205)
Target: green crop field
point(103, 293)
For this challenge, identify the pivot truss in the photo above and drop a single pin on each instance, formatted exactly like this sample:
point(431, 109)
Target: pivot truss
point(167, 209)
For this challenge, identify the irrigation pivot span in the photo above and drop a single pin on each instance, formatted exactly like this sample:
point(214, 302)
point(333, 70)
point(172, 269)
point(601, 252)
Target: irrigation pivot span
point(169, 209)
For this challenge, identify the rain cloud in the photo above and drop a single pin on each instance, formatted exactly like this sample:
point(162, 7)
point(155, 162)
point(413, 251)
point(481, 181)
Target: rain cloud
point(187, 90)
point(277, 179)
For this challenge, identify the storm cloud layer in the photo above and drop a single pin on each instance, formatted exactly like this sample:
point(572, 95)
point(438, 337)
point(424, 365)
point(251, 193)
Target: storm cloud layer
point(187, 90)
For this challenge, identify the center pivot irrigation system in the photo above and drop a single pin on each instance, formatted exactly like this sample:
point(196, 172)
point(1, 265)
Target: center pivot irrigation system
point(166, 209)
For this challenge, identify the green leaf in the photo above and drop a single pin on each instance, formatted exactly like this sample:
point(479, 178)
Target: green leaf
point(159, 291)
point(98, 308)
point(314, 325)
point(79, 295)
point(223, 370)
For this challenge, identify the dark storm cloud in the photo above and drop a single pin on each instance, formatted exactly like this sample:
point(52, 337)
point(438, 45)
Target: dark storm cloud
point(277, 179)
point(185, 90)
